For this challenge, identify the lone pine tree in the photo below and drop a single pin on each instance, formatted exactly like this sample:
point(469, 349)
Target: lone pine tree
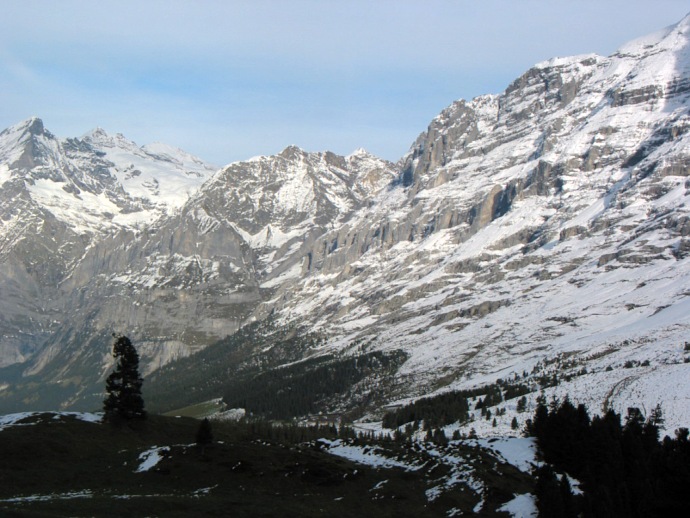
point(204, 435)
point(123, 385)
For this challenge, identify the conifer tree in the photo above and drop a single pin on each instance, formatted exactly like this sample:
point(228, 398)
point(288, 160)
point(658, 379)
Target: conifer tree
point(123, 385)
point(522, 404)
point(549, 493)
point(204, 435)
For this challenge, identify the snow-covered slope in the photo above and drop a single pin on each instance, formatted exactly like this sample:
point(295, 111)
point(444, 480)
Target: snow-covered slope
point(163, 175)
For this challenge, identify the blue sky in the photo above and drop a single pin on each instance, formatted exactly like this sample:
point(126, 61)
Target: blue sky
point(227, 80)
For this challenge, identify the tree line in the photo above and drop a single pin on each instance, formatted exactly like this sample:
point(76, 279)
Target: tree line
point(308, 387)
point(452, 407)
point(624, 468)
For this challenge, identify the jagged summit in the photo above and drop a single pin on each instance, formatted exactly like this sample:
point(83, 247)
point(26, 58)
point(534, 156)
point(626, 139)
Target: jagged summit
point(97, 134)
point(25, 146)
point(292, 189)
point(360, 151)
point(34, 125)
point(99, 137)
point(111, 181)
point(518, 210)
point(20, 134)
point(59, 198)
point(291, 151)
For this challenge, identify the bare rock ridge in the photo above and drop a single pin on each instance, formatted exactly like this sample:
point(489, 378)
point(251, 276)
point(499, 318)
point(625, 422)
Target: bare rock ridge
point(547, 222)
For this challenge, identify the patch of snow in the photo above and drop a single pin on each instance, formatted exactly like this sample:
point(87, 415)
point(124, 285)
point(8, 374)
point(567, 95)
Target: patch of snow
point(379, 485)
point(232, 414)
point(9, 420)
point(150, 458)
point(522, 506)
point(367, 455)
point(53, 496)
point(203, 491)
point(460, 472)
point(12, 419)
point(88, 417)
point(477, 508)
point(521, 452)
point(293, 272)
point(86, 212)
point(155, 495)
point(5, 173)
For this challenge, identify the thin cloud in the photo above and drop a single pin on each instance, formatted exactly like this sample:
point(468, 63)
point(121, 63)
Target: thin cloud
point(231, 79)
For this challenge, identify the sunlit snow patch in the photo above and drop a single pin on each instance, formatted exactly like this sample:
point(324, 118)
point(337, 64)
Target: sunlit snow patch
point(149, 458)
point(12, 419)
point(522, 506)
point(88, 417)
point(9, 420)
point(367, 455)
point(519, 451)
point(460, 472)
point(203, 491)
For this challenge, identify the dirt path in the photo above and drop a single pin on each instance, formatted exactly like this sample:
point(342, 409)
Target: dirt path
point(616, 388)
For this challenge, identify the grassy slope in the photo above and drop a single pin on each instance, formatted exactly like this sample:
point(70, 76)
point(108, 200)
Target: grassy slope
point(247, 476)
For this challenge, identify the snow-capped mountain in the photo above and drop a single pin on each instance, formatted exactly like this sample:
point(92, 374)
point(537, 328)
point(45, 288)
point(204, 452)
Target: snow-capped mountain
point(164, 176)
point(98, 182)
point(62, 196)
point(536, 233)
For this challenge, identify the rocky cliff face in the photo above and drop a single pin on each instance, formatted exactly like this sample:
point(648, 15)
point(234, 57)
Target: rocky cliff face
point(528, 233)
point(281, 204)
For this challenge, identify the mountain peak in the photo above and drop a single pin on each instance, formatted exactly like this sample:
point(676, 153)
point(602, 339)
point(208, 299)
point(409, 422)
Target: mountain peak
point(291, 151)
point(100, 136)
point(359, 152)
point(539, 234)
point(684, 24)
point(17, 142)
point(96, 134)
point(34, 125)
